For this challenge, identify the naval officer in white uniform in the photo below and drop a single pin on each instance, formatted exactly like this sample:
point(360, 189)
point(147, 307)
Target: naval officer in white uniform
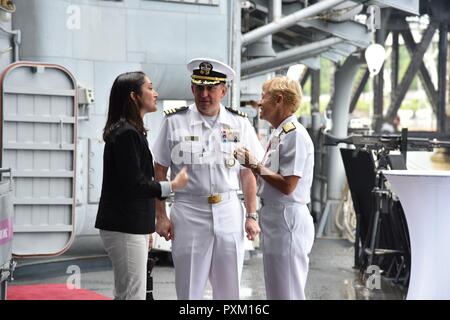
point(206, 222)
point(284, 183)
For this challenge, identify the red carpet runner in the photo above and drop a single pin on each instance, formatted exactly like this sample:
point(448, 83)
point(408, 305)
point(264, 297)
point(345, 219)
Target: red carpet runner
point(51, 292)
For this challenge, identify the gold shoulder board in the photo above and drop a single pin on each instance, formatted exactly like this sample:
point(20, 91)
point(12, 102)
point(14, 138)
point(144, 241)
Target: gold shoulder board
point(236, 111)
point(173, 111)
point(288, 127)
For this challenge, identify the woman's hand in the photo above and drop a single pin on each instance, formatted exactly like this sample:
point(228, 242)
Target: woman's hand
point(164, 227)
point(245, 157)
point(181, 180)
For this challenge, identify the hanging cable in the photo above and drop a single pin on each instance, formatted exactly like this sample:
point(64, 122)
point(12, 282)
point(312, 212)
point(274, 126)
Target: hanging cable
point(345, 219)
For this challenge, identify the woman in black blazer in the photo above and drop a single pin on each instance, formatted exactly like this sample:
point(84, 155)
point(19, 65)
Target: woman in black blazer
point(126, 213)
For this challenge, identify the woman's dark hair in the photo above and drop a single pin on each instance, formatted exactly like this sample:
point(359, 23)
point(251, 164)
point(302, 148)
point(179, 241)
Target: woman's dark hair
point(121, 106)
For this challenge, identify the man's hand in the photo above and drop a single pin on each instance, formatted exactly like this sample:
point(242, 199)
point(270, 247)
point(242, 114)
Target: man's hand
point(164, 227)
point(181, 180)
point(245, 157)
point(150, 242)
point(252, 229)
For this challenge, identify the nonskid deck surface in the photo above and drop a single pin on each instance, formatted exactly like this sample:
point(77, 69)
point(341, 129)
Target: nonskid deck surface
point(331, 275)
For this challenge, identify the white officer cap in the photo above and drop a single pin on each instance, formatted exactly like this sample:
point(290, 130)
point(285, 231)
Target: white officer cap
point(206, 71)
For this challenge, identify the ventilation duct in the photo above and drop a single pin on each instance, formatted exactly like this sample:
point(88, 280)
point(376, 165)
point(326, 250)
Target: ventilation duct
point(261, 48)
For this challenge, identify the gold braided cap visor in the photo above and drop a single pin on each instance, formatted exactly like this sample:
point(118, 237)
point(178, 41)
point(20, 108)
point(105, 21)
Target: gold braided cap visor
point(204, 80)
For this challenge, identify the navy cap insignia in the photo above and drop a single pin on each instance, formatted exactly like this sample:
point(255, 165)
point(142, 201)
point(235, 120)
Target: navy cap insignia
point(205, 68)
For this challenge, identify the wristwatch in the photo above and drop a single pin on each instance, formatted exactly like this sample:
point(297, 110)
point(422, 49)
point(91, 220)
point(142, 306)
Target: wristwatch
point(254, 167)
point(252, 215)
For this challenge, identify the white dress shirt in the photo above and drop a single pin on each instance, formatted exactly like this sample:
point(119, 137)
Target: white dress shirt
point(188, 139)
point(289, 154)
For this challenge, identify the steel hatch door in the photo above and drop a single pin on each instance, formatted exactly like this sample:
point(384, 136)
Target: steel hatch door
point(38, 138)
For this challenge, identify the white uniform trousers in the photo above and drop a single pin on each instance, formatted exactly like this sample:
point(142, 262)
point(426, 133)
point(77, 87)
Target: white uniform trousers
point(128, 253)
point(287, 234)
point(208, 243)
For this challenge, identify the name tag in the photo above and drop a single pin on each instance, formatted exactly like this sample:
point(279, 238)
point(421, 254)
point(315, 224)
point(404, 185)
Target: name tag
point(191, 138)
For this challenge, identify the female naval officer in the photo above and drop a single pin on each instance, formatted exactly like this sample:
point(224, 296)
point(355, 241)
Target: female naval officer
point(284, 183)
point(126, 213)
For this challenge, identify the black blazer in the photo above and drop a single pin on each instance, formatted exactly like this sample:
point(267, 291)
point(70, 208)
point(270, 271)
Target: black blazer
point(127, 202)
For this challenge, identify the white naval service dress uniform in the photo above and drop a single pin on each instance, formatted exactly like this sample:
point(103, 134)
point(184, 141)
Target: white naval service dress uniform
point(287, 229)
point(208, 230)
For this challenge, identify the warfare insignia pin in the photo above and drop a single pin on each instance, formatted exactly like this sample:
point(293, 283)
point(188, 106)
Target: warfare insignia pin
point(230, 162)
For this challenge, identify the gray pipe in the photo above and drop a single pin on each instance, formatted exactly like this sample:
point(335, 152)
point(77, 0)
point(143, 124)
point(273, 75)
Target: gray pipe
point(263, 47)
point(288, 21)
point(302, 60)
point(236, 58)
point(343, 83)
point(344, 78)
point(316, 197)
point(17, 38)
point(289, 56)
point(230, 42)
point(277, 11)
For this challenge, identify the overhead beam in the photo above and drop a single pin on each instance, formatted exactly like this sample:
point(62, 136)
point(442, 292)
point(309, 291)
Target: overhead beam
point(378, 81)
point(354, 32)
point(359, 89)
point(305, 77)
point(378, 86)
point(333, 56)
point(344, 48)
point(411, 6)
point(366, 75)
point(413, 67)
point(288, 21)
point(424, 75)
point(289, 56)
point(274, 69)
point(312, 63)
point(395, 61)
point(442, 80)
point(315, 91)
